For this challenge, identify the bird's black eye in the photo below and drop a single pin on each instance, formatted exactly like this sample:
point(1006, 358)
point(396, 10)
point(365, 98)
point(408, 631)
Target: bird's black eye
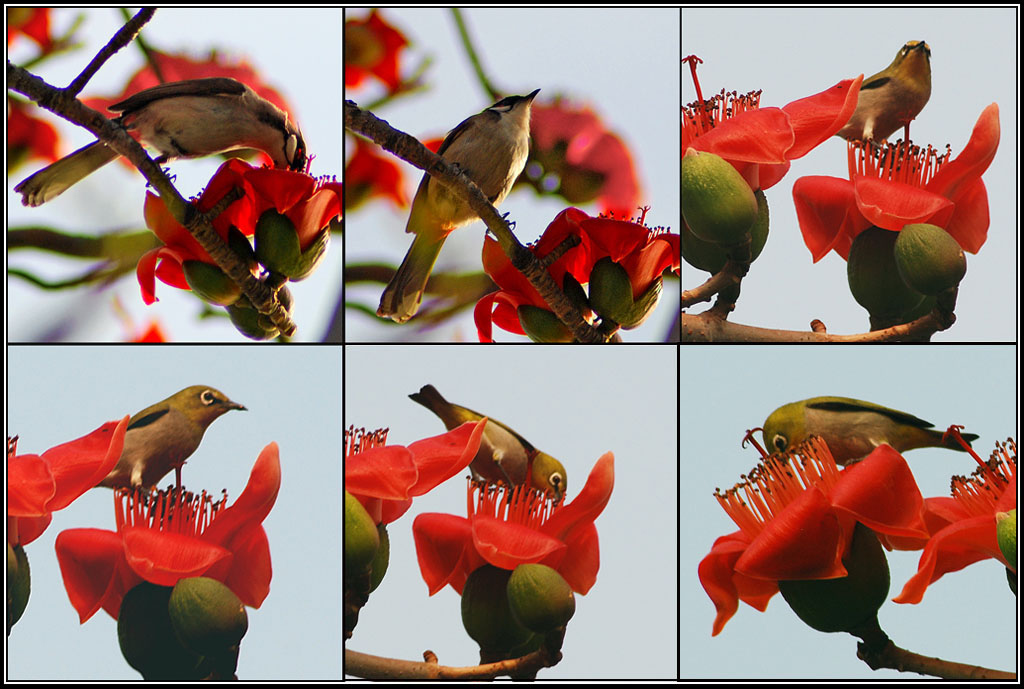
point(780, 442)
point(208, 397)
point(555, 479)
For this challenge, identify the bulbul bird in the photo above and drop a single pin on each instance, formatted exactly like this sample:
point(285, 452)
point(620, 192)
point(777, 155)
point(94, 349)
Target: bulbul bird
point(161, 437)
point(504, 455)
point(491, 149)
point(182, 119)
point(893, 97)
point(851, 428)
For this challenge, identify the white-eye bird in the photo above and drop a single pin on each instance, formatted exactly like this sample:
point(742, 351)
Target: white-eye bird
point(851, 428)
point(491, 149)
point(161, 437)
point(182, 119)
point(893, 97)
point(504, 455)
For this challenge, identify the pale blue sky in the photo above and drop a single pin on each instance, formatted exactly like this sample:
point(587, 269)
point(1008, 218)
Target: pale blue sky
point(790, 53)
point(623, 63)
point(297, 51)
point(293, 396)
point(967, 616)
point(576, 404)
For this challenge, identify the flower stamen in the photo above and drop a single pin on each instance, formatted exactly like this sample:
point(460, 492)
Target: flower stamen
point(359, 439)
point(170, 511)
point(980, 492)
point(516, 504)
point(899, 162)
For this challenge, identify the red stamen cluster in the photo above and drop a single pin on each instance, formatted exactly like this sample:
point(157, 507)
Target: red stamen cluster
point(359, 439)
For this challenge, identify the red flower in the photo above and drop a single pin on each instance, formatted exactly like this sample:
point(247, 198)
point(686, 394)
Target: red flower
point(385, 478)
point(508, 527)
point(590, 161)
point(154, 332)
point(515, 290)
point(33, 22)
point(371, 48)
point(645, 254)
point(28, 137)
point(369, 174)
point(963, 528)
point(898, 185)
point(760, 142)
point(162, 538)
point(38, 485)
point(802, 532)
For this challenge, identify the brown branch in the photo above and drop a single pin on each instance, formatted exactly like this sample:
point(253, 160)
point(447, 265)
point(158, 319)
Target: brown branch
point(122, 38)
point(410, 150)
point(64, 104)
point(369, 666)
point(893, 657)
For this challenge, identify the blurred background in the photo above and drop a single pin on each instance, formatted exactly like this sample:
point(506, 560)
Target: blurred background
point(790, 53)
point(296, 51)
point(622, 64)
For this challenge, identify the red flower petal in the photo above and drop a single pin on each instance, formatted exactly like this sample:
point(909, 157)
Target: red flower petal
point(880, 492)
point(163, 558)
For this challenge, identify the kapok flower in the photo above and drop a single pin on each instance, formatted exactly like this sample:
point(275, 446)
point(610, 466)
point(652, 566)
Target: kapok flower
point(369, 174)
point(372, 47)
point(760, 142)
point(590, 162)
point(509, 526)
point(797, 512)
point(963, 528)
point(898, 185)
point(32, 22)
point(385, 478)
point(28, 137)
point(38, 485)
point(644, 253)
point(164, 536)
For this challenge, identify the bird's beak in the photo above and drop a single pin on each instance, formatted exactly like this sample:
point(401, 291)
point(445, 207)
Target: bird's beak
point(530, 96)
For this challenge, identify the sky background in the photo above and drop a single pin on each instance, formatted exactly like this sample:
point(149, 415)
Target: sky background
point(575, 404)
point(297, 51)
point(623, 63)
point(292, 394)
point(791, 53)
point(967, 616)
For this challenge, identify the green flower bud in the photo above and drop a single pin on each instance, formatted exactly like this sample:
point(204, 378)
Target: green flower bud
point(718, 204)
point(540, 598)
point(844, 604)
point(19, 584)
point(541, 325)
point(486, 614)
point(712, 257)
point(147, 638)
point(361, 538)
point(611, 295)
point(929, 259)
point(210, 283)
point(206, 615)
point(277, 246)
point(379, 566)
point(875, 281)
point(247, 321)
point(576, 294)
point(1006, 534)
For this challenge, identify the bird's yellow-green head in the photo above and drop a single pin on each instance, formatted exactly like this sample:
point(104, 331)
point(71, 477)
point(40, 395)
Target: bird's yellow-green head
point(201, 404)
point(785, 427)
point(913, 63)
point(548, 475)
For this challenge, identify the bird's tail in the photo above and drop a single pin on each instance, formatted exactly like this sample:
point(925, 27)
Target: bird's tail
point(53, 180)
point(402, 296)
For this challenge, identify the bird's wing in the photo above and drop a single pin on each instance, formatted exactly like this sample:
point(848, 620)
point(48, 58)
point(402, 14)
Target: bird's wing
point(847, 404)
point(215, 86)
point(145, 420)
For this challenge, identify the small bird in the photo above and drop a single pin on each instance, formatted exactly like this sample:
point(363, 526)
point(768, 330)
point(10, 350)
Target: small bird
point(491, 149)
point(893, 97)
point(182, 119)
point(851, 428)
point(504, 455)
point(161, 437)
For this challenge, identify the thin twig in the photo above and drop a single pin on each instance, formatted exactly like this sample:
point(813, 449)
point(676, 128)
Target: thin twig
point(122, 38)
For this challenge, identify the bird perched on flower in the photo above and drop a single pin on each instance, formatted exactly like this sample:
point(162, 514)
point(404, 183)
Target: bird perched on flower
point(504, 455)
point(851, 428)
point(893, 97)
point(161, 437)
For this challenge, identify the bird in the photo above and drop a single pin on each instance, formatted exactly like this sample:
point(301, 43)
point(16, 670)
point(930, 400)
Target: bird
point(893, 97)
point(181, 119)
point(162, 436)
point(491, 148)
point(851, 428)
point(504, 455)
